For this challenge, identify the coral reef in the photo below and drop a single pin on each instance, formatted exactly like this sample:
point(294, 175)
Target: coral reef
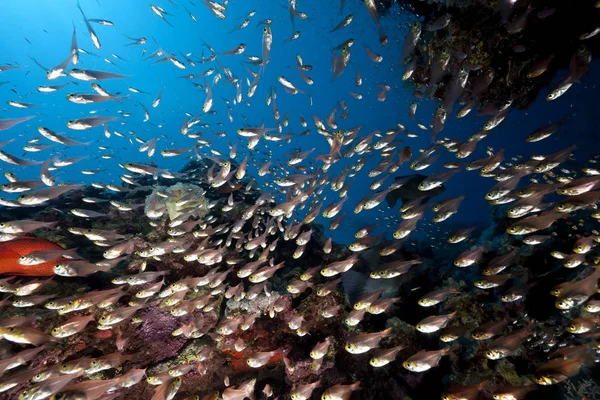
point(582, 389)
point(480, 31)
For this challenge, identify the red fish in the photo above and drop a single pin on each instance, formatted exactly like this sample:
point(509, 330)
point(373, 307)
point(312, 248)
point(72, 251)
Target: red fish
point(11, 251)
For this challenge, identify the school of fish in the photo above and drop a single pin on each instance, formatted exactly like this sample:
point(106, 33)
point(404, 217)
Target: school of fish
point(232, 232)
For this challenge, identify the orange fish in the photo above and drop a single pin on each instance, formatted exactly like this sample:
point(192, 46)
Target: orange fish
point(11, 251)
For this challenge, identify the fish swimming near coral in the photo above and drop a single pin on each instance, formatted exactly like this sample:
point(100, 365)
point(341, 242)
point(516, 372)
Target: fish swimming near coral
point(219, 265)
point(409, 191)
point(11, 251)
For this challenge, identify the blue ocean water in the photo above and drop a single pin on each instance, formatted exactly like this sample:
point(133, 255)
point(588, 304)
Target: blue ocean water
point(43, 29)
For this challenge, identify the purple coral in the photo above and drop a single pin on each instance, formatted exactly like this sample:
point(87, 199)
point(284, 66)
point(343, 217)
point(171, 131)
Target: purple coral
point(154, 337)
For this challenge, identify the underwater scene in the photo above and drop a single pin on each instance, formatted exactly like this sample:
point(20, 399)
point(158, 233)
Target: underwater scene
point(299, 199)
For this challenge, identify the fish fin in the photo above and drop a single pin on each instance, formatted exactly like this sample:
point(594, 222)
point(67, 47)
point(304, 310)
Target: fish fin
point(391, 200)
point(487, 246)
point(354, 284)
point(387, 287)
point(357, 284)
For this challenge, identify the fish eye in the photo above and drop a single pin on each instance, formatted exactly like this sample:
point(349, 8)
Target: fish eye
point(572, 328)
